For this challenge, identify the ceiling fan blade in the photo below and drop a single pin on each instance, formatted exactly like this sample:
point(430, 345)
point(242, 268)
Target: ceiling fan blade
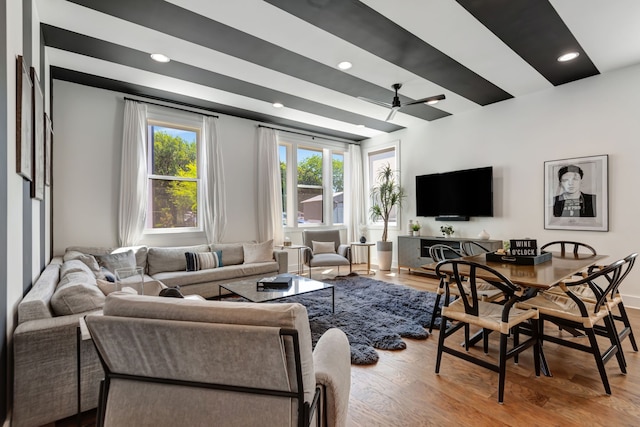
point(425, 100)
point(373, 101)
point(392, 114)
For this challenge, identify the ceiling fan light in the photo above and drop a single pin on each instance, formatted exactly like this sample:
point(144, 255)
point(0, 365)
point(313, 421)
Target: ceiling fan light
point(433, 101)
point(159, 57)
point(345, 65)
point(568, 56)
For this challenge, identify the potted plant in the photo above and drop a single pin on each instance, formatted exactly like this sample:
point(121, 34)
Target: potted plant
point(415, 227)
point(385, 195)
point(447, 230)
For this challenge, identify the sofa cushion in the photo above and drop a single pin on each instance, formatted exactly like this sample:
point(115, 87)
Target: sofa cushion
point(77, 292)
point(283, 315)
point(161, 259)
point(323, 247)
point(203, 260)
point(232, 253)
point(114, 261)
point(151, 286)
point(74, 266)
point(140, 253)
point(228, 273)
point(258, 252)
point(89, 260)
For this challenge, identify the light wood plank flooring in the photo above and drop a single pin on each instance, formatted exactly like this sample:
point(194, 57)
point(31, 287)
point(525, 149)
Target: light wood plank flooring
point(403, 390)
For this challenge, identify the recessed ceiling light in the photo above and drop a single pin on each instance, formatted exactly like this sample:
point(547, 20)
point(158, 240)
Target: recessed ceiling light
point(160, 57)
point(359, 126)
point(568, 56)
point(278, 105)
point(345, 65)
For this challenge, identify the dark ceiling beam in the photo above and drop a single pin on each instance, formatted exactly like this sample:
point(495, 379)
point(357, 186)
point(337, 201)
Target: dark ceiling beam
point(58, 73)
point(534, 30)
point(362, 26)
point(189, 26)
point(84, 45)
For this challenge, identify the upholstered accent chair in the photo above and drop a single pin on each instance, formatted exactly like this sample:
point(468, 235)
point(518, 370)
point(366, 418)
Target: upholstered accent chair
point(171, 361)
point(324, 249)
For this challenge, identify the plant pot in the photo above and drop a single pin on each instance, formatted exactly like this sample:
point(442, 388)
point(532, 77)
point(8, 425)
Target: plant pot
point(385, 254)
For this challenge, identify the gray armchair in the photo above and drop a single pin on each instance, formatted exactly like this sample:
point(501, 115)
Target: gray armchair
point(319, 254)
point(171, 361)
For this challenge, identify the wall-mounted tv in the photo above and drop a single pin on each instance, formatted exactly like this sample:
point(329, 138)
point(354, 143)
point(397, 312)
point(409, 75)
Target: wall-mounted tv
point(455, 195)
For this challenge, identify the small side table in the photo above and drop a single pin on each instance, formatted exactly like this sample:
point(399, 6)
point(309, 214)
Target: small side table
point(299, 248)
point(368, 245)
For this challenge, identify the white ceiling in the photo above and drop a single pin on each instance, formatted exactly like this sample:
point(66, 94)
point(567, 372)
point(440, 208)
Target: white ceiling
point(607, 31)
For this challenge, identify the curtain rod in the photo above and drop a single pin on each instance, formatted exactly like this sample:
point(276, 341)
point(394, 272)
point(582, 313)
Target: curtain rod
point(309, 134)
point(175, 108)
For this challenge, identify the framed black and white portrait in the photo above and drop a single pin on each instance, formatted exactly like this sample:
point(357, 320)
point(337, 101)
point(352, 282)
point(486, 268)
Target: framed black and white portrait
point(576, 194)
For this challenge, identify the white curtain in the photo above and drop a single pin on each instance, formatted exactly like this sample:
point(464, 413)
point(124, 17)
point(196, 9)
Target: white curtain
point(357, 202)
point(133, 180)
point(269, 187)
point(214, 214)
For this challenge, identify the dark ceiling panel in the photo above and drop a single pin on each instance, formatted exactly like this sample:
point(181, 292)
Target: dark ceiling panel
point(186, 25)
point(84, 45)
point(534, 30)
point(72, 76)
point(366, 28)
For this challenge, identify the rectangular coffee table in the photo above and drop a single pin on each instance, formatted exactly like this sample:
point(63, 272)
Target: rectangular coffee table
point(248, 289)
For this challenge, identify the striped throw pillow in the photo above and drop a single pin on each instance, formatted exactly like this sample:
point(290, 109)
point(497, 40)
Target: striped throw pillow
point(203, 260)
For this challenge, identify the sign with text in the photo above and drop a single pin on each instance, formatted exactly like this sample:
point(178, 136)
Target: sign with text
point(524, 247)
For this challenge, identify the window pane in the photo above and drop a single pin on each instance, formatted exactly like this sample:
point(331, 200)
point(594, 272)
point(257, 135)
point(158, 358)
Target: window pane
point(282, 154)
point(173, 204)
point(174, 152)
point(310, 190)
point(310, 202)
point(338, 188)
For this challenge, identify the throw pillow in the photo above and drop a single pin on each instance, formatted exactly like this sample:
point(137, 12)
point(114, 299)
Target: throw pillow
point(323, 247)
point(258, 252)
point(203, 260)
point(112, 262)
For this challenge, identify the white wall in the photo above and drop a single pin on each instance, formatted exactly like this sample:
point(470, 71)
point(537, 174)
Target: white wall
point(86, 166)
point(593, 116)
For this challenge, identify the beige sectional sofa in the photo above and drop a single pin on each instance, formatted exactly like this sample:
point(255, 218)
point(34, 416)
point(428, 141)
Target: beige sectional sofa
point(74, 285)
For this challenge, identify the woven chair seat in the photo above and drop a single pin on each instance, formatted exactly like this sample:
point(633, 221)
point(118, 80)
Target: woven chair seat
point(489, 315)
point(486, 291)
point(562, 306)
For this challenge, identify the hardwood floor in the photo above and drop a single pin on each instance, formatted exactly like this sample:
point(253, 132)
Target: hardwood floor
point(403, 390)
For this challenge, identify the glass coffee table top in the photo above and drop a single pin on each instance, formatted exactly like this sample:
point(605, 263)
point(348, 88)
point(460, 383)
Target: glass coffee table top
point(248, 289)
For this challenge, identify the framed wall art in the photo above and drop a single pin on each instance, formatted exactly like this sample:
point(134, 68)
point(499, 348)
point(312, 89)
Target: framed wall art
point(48, 150)
point(576, 195)
point(37, 183)
point(24, 120)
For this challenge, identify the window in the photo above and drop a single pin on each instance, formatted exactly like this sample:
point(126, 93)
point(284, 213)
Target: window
point(172, 164)
point(378, 160)
point(312, 191)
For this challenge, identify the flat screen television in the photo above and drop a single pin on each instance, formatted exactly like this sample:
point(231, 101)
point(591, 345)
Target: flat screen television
point(455, 195)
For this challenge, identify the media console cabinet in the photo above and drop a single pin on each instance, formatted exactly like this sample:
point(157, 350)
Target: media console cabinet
point(413, 251)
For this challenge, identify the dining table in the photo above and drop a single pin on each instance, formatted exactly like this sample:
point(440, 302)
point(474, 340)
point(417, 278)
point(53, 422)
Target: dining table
point(533, 278)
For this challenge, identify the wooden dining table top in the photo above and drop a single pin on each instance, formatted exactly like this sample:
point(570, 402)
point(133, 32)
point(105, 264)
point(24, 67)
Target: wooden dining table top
point(540, 276)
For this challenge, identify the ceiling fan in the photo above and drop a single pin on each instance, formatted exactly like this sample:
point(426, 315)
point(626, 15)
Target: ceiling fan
point(396, 105)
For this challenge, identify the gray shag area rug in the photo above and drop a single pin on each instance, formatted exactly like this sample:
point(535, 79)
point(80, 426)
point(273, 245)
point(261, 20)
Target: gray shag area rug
point(372, 313)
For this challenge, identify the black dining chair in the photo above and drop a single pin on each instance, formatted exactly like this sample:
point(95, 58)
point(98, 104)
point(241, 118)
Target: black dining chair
point(564, 246)
point(440, 252)
point(469, 309)
point(471, 247)
point(571, 311)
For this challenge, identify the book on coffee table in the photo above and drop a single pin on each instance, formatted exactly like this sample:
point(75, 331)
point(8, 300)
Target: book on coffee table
point(281, 281)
